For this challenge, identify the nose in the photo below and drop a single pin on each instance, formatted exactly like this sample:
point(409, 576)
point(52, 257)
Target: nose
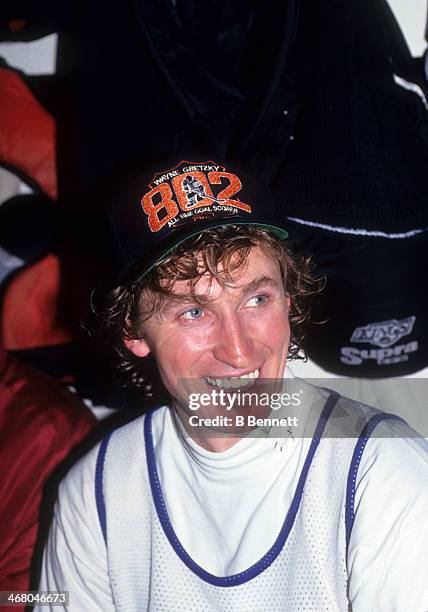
point(234, 345)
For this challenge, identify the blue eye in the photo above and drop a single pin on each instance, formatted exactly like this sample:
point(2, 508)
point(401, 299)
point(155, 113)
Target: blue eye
point(193, 313)
point(258, 300)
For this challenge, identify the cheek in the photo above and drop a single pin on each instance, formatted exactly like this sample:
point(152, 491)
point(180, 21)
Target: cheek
point(176, 352)
point(277, 335)
point(170, 368)
point(275, 325)
point(281, 334)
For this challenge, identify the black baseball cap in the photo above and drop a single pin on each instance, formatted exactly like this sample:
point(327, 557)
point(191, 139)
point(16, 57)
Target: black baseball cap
point(160, 208)
point(371, 319)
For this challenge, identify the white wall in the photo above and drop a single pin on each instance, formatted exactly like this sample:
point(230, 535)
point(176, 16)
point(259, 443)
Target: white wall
point(412, 17)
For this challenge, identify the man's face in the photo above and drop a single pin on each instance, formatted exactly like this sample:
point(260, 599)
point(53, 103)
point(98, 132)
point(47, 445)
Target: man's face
point(241, 332)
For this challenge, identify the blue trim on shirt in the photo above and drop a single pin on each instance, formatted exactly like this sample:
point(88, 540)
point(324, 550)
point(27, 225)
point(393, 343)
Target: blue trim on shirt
point(355, 464)
point(273, 552)
point(99, 489)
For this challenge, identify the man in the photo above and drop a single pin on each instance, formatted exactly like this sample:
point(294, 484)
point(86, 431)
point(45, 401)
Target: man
point(172, 512)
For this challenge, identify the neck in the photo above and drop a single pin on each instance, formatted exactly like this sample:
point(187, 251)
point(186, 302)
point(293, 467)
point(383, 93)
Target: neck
point(210, 439)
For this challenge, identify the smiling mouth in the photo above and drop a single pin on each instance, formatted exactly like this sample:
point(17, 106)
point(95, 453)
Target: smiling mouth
point(233, 382)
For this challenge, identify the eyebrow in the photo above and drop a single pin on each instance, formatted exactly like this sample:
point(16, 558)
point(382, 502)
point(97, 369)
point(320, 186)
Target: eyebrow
point(259, 282)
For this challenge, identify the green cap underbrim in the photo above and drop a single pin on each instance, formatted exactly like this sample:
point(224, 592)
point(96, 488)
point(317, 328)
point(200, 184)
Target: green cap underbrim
point(274, 229)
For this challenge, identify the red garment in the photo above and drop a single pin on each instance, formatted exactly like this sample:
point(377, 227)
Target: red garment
point(28, 132)
point(31, 313)
point(40, 422)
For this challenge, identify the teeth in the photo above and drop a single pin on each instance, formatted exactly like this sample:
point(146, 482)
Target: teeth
point(234, 382)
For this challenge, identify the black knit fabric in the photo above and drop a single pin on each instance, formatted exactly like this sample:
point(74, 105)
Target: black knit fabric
point(359, 158)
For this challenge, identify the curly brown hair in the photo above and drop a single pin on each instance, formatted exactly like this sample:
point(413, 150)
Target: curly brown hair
point(121, 311)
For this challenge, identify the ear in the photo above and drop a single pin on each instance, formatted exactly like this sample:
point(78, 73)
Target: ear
point(288, 301)
point(138, 347)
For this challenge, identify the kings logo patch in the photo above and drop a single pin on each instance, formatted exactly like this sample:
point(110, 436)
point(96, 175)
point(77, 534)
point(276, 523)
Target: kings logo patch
point(385, 333)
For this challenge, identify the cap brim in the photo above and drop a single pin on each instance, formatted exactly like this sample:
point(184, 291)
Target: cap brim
point(139, 270)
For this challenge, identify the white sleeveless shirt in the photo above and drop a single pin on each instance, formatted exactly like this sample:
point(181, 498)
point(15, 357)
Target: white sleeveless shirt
point(305, 568)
